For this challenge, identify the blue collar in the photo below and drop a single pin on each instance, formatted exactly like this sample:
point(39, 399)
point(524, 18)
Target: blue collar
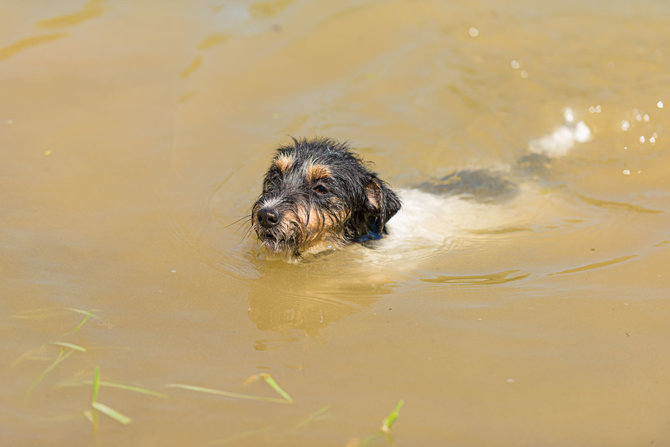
point(374, 234)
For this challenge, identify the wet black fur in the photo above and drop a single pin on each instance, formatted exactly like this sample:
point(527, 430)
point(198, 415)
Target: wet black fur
point(356, 199)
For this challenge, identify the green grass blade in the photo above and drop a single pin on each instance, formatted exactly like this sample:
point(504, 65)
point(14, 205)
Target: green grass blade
point(275, 386)
point(89, 313)
point(119, 386)
point(64, 344)
point(135, 389)
point(96, 385)
point(388, 422)
point(200, 389)
point(51, 312)
point(81, 324)
point(386, 425)
point(41, 313)
point(267, 378)
point(112, 413)
point(94, 398)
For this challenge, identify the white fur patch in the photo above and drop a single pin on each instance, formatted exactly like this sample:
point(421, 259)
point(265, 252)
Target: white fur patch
point(270, 202)
point(430, 225)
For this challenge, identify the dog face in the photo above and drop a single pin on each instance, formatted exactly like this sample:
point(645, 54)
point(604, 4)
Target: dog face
point(319, 195)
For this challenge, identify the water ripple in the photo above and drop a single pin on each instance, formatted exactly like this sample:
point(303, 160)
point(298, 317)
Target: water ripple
point(618, 205)
point(596, 265)
point(29, 42)
point(91, 10)
point(485, 279)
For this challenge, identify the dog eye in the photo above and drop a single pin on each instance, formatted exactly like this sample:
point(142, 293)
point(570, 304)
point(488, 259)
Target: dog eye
point(321, 189)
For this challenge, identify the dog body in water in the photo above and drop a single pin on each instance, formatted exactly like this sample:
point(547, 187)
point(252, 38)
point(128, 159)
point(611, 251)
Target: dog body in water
point(318, 195)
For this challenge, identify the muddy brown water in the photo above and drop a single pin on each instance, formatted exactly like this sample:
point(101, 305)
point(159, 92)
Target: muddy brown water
point(133, 136)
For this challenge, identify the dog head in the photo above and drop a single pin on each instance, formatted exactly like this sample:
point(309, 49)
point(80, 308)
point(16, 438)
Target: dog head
point(318, 195)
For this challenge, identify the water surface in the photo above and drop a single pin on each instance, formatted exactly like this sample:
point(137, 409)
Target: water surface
point(133, 138)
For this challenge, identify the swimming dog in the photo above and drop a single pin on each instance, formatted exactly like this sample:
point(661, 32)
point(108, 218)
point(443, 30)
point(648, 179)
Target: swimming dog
point(319, 195)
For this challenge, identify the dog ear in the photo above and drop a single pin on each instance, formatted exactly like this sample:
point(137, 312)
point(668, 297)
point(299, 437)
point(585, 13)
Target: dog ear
point(382, 202)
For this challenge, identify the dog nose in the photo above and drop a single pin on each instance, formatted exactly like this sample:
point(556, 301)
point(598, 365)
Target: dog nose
point(268, 217)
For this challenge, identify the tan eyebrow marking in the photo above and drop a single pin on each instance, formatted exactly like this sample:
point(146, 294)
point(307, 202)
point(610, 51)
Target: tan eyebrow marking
point(316, 171)
point(283, 162)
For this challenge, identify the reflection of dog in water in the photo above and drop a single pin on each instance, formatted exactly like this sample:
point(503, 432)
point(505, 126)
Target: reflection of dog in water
point(318, 195)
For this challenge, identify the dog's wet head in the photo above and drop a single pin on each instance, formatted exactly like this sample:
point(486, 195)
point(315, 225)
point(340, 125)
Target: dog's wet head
point(318, 195)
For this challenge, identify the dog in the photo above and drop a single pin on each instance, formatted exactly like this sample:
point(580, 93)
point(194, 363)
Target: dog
point(318, 195)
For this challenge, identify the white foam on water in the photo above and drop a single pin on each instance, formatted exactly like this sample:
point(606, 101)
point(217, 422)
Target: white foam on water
point(561, 141)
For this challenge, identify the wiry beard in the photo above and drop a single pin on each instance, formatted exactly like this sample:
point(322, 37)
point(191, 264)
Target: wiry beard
point(300, 228)
point(284, 239)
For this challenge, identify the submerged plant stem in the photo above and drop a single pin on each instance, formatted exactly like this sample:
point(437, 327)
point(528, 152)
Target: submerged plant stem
point(119, 386)
point(200, 389)
point(61, 357)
